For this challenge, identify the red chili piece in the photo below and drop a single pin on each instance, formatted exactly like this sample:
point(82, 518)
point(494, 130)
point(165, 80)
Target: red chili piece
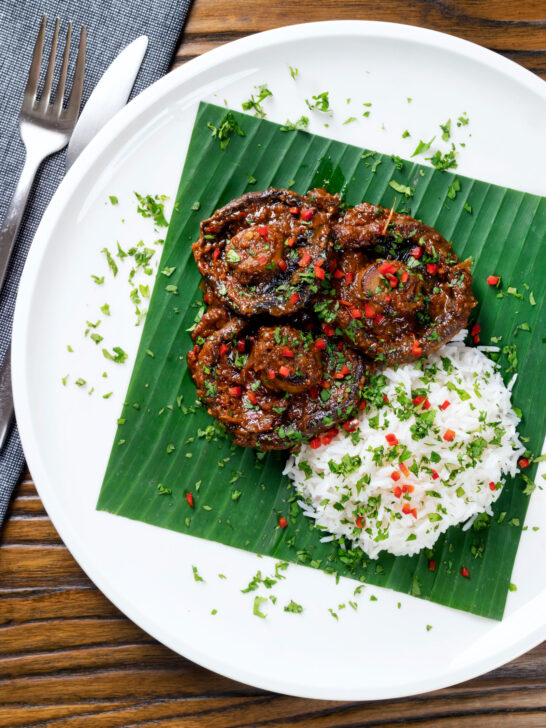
point(391, 439)
point(432, 566)
point(241, 346)
point(313, 392)
point(404, 469)
point(387, 269)
point(290, 242)
point(418, 400)
point(493, 280)
point(416, 348)
point(262, 230)
point(350, 425)
point(320, 344)
point(397, 491)
point(283, 523)
point(222, 349)
point(307, 213)
point(235, 391)
point(284, 371)
point(435, 475)
point(320, 273)
point(294, 298)
point(189, 498)
point(465, 572)
point(287, 351)
point(492, 486)
point(449, 435)
point(432, 268)
point(416, 252)
point(304, 260)
point(445, 404)
point(252, 397)
point(294, 210)
point(271, 374)
point(216, 254)
point(524, 462)
point(476, 329)
point(338, 274)
point(395, 475)
point(369, 311)
point(349, 277)
point(359, 522)
point(356, 313)
point(283, 265)
point(315, 443)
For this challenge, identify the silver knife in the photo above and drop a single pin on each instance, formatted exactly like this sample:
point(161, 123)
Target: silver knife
point(108, 97)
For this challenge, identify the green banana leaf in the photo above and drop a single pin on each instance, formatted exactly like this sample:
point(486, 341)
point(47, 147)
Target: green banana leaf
point(167, 445)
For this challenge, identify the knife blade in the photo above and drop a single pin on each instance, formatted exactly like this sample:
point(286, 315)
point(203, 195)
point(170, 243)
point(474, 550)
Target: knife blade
point(108, 97)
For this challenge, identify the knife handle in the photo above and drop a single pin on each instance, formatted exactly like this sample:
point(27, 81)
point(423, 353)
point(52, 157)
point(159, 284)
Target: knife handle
point(6, 398)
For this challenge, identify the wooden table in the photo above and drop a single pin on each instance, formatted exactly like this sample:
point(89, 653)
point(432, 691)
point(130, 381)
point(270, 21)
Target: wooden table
point(68, 657)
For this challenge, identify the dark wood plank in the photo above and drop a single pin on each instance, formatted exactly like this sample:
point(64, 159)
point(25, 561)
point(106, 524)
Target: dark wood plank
point(69, 658)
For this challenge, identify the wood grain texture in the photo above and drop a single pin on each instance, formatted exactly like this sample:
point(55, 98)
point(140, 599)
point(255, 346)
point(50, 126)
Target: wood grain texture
point(69, 658)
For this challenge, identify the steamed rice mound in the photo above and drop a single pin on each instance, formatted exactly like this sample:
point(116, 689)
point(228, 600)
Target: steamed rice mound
point(429, 451)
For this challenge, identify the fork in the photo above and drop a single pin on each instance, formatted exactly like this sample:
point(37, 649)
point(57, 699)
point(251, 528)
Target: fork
point(45, 128)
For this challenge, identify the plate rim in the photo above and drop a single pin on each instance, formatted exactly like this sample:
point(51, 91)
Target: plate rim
point(23, 312)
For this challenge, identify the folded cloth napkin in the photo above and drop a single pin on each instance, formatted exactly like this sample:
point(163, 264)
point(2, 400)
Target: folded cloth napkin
point(111, 25)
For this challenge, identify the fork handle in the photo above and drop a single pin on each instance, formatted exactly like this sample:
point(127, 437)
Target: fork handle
point(14, 215)
point(6, 397)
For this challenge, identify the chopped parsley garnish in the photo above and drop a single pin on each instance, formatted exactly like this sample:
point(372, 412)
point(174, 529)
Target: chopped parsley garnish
point(111, 263)
point(454, 187)
point(446, 130)
point(119, 356)
point(293, 72)
point(422, 147)
point(258, 601)
point(300, 125)
point(153, 207)
point(402, 189)
point(256, 103)
point(224, 132)
point(196, 574)
point(443, 161)
point(321, 102)
point(293, 607)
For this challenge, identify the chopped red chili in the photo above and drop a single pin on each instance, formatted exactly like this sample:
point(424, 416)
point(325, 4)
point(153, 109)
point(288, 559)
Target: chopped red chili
point(432, 268)
point(263, 231)
point(189, 498)
point(435, 475)
point(283, 523)
point(386, 268)
point(404, 469)
point(350, 425)
point(283, 265)
point(356, 313)
point(294, 210)
point(449, 435)
point(294, 298)
point(271, 374)
point(404, 277)
point(305, 260)
point(416, 252)
point(416, 348)
point(223, 348)
point(418, 400)
point(391, 439)
point(290, 242)
point(465, 572)
point(235, 391)
point(476, 329)
point(307, 213)
point(338, 273)
point(284, 371)
point(287, 351)
point(395, 475)
point(432, 565)
point(493, 280)
point(445, 404)
point(320, 344)
point(369, 311)
point(241, 345)
point(492, 486)
point(315, 443)
point(524, 462)
point(359, 522)
point(216, 254)
point(328, 329)
point(252, 397)
point(320, 273)
point(349, 277)
point(397, 492)
point(314, 392)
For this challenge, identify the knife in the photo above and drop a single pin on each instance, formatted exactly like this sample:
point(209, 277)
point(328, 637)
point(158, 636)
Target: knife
point(108, 97)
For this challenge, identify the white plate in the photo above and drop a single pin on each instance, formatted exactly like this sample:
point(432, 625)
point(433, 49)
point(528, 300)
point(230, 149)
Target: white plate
point(378, 651)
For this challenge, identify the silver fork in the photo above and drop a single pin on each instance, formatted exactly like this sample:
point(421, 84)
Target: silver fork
point(45, 128)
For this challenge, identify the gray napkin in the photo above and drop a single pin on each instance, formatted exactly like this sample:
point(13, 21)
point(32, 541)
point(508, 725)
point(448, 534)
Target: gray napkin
point(111, 25)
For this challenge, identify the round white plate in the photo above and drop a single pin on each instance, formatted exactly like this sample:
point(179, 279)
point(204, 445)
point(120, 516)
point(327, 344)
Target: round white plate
point(378, 651)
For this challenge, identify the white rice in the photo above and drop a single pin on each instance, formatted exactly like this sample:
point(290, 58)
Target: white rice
point(480, 409)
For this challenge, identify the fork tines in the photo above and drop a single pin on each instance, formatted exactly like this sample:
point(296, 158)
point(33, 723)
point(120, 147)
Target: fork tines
point(43, 105)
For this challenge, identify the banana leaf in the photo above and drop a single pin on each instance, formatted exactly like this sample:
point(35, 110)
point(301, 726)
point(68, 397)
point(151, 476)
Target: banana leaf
point(167, 445)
